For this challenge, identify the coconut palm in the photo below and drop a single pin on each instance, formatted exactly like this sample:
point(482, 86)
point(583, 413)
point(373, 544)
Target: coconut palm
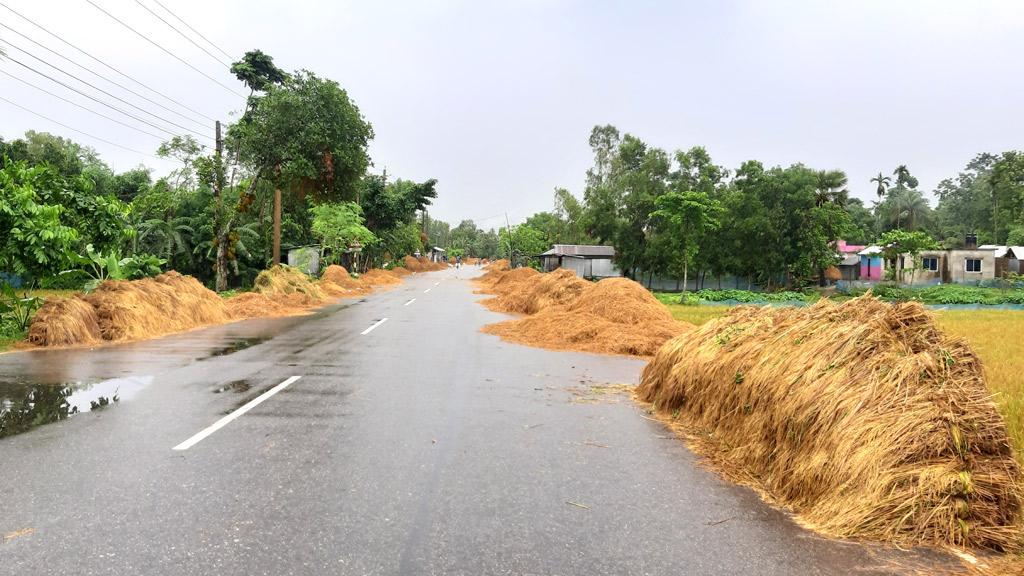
point(171, 236)
point(909, 206)
point(903, 177)
point(831, 188)
point(883, 184)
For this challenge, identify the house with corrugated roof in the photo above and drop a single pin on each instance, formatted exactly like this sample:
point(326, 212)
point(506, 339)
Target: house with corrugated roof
point(588, 261)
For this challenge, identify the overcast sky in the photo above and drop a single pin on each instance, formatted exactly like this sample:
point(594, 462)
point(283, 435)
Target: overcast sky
point(496, 100)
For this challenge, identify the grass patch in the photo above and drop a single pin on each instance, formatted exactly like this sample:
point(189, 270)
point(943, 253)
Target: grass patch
point(696, 315)
point(995, 336)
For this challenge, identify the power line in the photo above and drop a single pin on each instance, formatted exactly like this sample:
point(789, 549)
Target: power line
point(73, 103)
point(168, 52)
point(168, 10)
point(153, 90)
point(97, 74)
point(98, 89)
point(105, 141)
point(90, 97)
point(183, 35)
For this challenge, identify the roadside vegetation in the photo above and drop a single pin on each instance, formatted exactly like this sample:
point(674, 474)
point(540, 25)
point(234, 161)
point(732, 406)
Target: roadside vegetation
point(69, 223)
point(1011, 293)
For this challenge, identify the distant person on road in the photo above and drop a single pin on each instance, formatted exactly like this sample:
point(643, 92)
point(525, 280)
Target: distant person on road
point(458, 261)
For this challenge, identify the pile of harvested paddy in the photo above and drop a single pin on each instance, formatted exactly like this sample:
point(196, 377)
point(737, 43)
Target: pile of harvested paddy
point(558, 288)
point(862, 417)
point(498, 266)
point(256, 305)
point(428, 265)
point(128, 310)
point(336, 281)
point(411, 264)
point(613, 316)
point(65, 322)
point(511, 288)
point(400, 271)
point(559, 329)
point(378, 277)
point(288, 284)
point(170, 302)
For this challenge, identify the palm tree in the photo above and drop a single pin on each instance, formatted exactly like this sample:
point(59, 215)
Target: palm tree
point(909, 206)
point(903, 177)
point(170, 234)
point(831, 188)
point(883, 184)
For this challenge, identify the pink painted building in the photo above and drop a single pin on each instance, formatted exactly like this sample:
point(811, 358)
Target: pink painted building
point(872, 265)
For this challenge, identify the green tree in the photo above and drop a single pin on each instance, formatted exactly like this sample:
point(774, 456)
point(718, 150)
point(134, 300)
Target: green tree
point(257, 71)
point(526, 243)
point(1007, 185)
point(339, 227)
point(862, 222)
point(883, 183)
point(571, 211)
point(303, 135)
point(965, 203)
point(898, 244)
point(687, 217)
point(35, 241)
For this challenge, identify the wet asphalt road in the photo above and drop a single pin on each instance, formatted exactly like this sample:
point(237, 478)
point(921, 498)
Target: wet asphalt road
point(420, 447)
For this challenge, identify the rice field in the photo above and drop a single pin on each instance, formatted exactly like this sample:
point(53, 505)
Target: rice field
point(996, 335)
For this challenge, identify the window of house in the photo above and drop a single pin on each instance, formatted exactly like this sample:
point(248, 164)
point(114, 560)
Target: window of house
point(931, 264)
point(972, 265)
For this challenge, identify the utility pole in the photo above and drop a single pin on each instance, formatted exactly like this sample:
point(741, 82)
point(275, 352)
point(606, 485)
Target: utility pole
point(221, 266)
point(277, 225)
point(508, 233)
point(277, 215)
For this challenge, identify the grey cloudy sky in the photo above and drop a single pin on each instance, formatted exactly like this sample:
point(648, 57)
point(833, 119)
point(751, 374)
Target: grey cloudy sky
point(496, 99)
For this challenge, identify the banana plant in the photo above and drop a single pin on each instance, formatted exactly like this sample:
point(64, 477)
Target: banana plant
point(18, 309)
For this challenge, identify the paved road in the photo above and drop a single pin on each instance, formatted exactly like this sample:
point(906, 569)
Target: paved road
point(419, 447)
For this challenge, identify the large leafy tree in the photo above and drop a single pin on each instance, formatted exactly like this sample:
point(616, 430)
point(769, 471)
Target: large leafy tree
point(338, 227)
point(901, 243)
point(258, 71)
point(303, 135)
point(686, 217)
point(965, 203)
point(1007, 184)
point(36, 242)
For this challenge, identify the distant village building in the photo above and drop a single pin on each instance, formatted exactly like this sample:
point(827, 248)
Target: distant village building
point(588, 261)
point(849, 265)
point(872, 264)
point(969, 265)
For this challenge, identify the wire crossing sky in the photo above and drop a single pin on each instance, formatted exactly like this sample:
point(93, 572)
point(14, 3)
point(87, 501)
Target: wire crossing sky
point(496, 99)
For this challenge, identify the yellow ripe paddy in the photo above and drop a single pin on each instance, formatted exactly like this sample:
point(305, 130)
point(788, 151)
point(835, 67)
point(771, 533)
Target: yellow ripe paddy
point(996, 335)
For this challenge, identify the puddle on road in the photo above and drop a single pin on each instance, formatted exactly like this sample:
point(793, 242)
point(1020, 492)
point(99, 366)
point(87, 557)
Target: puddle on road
point(24, 406)
point(236, 346)
point(236, 386)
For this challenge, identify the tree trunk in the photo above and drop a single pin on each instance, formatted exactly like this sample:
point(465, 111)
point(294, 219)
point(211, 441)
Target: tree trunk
point(222, 259)
point(277, 226)
point(686, 265)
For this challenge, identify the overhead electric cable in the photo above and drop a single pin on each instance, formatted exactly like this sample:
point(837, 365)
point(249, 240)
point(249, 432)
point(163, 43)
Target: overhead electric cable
point(104, 140)
point(153, 90)
point(208, 41)
point(87, 109)
point(98, 89)
point(168, 52)
point(90, 97)
point(97, 74)
point(183, 35)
